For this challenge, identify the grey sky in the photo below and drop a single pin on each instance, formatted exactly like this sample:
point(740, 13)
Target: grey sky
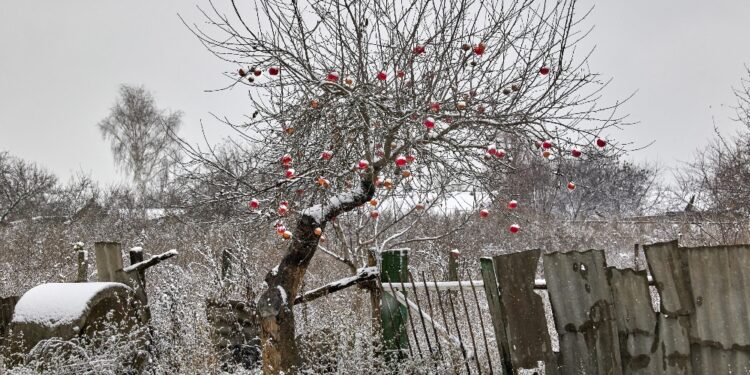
point(62, 61)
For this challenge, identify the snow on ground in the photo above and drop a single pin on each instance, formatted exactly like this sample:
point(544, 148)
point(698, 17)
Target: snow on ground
point(56, 304)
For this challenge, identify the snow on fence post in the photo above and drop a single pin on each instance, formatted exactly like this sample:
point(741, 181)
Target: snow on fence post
point(83, 262)
point(394, 268)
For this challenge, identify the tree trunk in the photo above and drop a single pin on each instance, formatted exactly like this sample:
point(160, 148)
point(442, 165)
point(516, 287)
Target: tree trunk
point(275, 306)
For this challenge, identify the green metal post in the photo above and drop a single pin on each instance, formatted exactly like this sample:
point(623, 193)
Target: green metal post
point(393, 268)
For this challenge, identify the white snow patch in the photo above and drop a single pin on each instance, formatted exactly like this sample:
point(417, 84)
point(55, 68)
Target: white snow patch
point(137, 249)
point(55, 304)
point(282, 292)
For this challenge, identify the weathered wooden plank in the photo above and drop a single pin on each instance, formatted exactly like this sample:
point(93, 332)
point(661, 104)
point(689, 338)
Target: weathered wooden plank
point(585, 318)
point(108, 260)
point(497, 313)
point(636, 320)
point(526, 324)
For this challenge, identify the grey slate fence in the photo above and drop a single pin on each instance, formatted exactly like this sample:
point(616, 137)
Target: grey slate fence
point(605, 318)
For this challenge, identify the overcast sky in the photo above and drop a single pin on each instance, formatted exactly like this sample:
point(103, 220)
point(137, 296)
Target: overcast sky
point(61, 63)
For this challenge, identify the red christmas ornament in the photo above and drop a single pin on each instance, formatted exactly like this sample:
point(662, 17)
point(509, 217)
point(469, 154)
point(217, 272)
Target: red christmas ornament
point(571, 186)
point(274, 70)
point(513, 204)
point(435, 107)
point(280, 229)
point(332, 77)
point(253, 204)
point(257, 72)
point(326, 155)
point(429, 123)
point(500, 153)
point(283, 210)
point(400, 161)
point(374, 214)
point(479, 49)
point(547, 144)
point(481, 109)
point(400, 74)
point(601, 142)
point(382, 75)
point(410, 158)
point(363, 164)
point(289, 173)
point(544, 70)
point(484, 213)
point(576, 153)
point(418, 49)
point(242, 72)
point(514, 228)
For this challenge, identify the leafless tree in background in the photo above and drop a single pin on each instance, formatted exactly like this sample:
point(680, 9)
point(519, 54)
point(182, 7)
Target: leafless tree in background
point(140, 135)
point(24, 187)
point(717, 178)
point(342, 93)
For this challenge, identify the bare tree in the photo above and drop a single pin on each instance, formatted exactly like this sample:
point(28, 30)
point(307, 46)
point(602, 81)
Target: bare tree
point(140, 134)
point(24, 187)
point(394, 101)
point(716, 179)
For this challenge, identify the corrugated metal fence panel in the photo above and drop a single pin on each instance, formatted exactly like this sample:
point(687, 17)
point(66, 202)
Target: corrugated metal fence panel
point(585, 317)
point(720, 325)
point(636, 320)
point(705, 304)
point(526, 325)
point(669, 270)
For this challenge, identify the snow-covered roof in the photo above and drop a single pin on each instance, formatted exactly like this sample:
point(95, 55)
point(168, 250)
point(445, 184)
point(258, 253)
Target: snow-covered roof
point(55, 304)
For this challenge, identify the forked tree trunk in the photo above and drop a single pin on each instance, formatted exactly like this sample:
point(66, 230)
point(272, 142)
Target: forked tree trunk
point(275, 306)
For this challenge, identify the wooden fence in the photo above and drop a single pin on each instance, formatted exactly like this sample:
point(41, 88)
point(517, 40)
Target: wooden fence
point(695, 319)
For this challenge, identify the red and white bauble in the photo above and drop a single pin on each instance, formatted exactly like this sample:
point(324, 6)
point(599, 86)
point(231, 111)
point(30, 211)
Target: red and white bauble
point(435, 107)
point(400, 161)
point(418, 49)
point(515, 228)
point(571, 186)
point(484, 213)
point(382, 75)
point(601, 142)
point(289, 173)
point(513, 204)
point(274, 70)
point(500, 153)
point(326, 155)
point(544, 70)
point(576, 153)
point(547, 144)
point(429, 123)
point(363, 164)
point(492, 150)
point(283, 209)
point(374, 214)
point(410, 158)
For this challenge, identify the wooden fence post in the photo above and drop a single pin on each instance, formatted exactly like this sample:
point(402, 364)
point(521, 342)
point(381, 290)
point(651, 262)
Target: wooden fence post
point(83, 262)
point(453, 265)
point(108, 260)
point(497, 313)
point(394, 268)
